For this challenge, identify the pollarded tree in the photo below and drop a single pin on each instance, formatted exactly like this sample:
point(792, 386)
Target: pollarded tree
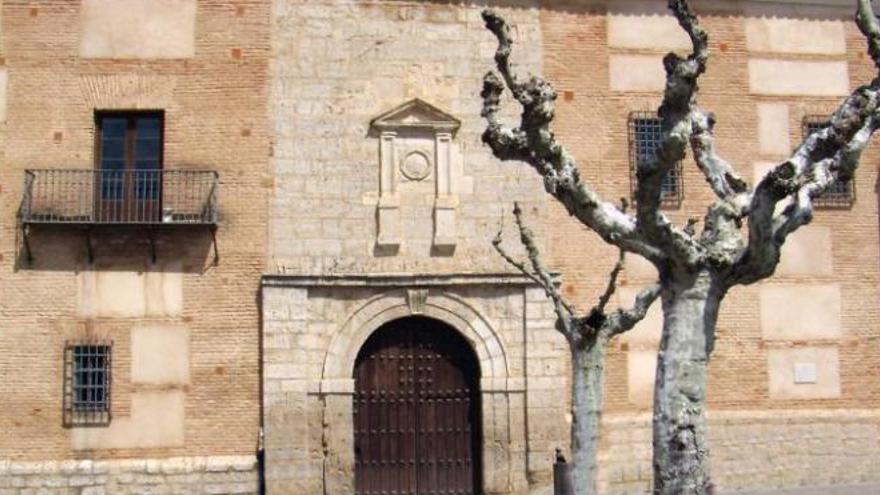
point(743, 230)
point(588, 336)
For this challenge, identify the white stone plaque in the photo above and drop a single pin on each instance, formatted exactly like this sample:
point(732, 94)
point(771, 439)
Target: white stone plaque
point(805, 372)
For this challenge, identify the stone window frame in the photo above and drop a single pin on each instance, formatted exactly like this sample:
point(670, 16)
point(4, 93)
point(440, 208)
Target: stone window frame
point(642, 125)
point(88, 378)
point(841, 195)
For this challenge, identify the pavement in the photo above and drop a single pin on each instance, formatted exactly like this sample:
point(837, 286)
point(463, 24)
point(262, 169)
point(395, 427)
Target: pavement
point(866, 489)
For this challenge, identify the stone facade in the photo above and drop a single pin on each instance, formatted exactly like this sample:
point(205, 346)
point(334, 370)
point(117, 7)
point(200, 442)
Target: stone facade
point(171, 475)
point(353, 230)
point(314, 328)
point(756, 451)
point(605, 60)
point(355, 191)
point(344, 76)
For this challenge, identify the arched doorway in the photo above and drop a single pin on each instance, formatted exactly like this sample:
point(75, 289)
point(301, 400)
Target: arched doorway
point(417, 411)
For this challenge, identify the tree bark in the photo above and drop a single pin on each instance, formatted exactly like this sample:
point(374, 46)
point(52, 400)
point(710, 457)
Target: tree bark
point(588, 368)
point(681, 454)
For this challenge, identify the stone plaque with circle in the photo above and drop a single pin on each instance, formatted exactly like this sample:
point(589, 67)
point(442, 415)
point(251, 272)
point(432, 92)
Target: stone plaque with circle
point(416, 166)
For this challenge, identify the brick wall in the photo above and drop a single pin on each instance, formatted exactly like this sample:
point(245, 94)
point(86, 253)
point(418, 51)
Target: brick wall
point(837, 251)
point(208, 71)
point(285, 115)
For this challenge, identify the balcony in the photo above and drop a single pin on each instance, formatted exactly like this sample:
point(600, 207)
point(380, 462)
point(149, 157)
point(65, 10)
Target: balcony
point(128, 197)
point(93, 198)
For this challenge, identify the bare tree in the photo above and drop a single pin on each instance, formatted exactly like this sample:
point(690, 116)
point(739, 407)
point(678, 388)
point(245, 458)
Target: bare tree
point(588, 337)
point(696, 269)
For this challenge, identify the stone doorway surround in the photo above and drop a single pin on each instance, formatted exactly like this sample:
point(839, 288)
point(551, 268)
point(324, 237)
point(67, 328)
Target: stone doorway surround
point(314, 326)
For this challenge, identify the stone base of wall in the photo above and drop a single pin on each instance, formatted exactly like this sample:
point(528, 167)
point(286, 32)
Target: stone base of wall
point(755, 450)
point(176, 475)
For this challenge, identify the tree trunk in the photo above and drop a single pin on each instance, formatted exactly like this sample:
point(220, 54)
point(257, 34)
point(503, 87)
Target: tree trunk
point(588, 367)
point(681, 455)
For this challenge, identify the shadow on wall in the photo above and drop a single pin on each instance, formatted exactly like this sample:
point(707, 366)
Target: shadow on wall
point(755, 8)
point(115, 248)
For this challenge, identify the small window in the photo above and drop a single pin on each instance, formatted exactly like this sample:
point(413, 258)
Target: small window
point(645, 135)
point(841, 194)
point(87, 383)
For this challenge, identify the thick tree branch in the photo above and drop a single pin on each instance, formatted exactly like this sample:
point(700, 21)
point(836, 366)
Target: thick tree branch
point(805, 176)
point(724, 181)
point(679, 100)
point(867, 23)
point(534, 143)
point(721, 234)
point(506, 143)
point(800, 211)
point(827, 155)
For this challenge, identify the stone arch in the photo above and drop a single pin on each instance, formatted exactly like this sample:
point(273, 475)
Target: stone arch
point(462, 317)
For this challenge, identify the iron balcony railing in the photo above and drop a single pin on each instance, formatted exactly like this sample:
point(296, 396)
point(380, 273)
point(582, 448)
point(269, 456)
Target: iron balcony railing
point(166, 197)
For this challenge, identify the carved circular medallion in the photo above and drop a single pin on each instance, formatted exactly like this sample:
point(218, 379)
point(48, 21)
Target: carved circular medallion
point(416, 166)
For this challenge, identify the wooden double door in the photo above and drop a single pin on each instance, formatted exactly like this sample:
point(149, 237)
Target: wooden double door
point(417, 412)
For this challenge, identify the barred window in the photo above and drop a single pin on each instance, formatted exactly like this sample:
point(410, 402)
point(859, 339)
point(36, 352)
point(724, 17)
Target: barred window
point(87, 383)
point(645, 135)
point(841, 194)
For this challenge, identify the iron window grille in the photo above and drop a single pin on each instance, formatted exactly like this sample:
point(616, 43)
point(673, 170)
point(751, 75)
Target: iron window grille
point(87, 380)
point(645, 136)
point(841, 193)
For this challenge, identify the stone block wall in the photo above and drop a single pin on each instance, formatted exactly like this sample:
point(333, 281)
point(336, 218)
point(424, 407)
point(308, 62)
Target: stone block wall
point(172, 475)
point(755, 450)
point(314, 328)
point(336, 66)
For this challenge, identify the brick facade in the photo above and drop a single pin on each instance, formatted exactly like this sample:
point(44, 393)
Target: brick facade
point(354, 190)
point(185, 365)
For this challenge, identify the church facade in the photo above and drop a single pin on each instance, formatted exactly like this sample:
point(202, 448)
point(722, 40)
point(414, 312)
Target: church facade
point(246, 248)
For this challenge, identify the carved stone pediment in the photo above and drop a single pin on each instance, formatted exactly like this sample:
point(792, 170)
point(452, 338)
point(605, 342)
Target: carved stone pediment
point(416, 145)
point(416, 114)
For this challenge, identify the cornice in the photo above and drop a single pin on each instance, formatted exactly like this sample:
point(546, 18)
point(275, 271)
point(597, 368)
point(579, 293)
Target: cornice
point(396, 280)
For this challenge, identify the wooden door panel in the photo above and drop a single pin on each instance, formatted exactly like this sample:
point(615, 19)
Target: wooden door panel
point(416, 410)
